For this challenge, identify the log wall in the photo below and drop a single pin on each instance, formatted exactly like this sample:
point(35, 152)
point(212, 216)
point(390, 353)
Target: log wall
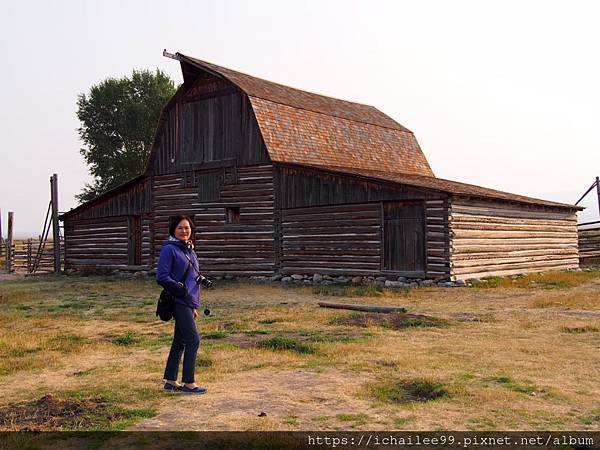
point(347, 240)
point(493, 238)
point(244, 248)
point(589, 246)
point(103, 243)
point(334, 240)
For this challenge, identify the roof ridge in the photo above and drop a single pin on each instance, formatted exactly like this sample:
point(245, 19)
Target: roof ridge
point(405, 130)
point(299, 98)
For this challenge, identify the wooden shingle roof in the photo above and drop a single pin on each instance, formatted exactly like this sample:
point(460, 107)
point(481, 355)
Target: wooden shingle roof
point(448, 186)
point(301, 127)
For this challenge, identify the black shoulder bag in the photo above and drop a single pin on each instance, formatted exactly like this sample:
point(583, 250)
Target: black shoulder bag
point(166, 301)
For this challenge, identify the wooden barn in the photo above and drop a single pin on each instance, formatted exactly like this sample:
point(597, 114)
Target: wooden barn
point(283, 181)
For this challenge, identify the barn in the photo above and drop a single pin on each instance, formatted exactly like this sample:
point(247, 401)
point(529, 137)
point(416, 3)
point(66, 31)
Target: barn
point(283, 181)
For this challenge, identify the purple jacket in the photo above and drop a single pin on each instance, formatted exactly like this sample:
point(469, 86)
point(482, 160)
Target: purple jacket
point(172, 264)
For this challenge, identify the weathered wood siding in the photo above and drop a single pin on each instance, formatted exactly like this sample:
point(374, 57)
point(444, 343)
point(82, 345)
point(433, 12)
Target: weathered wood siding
point(340, 240)
point(493, 238)
point(589, 245)
point(103, 242)
point(244, 248)
point(212, 122)
point(348, 212)
point(100, 234)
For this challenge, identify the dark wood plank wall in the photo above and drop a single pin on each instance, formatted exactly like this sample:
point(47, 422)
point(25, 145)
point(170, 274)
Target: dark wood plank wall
point(244, 248)
point(212, 122)
point(133, 200)
point(334, 240)
point(96, 242)
point(307, 192)
point(494, 238)
point(589, 245)
point(98, 234)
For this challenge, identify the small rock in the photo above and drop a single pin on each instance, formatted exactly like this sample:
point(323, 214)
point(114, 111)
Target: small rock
point(413, 284)
point(393, 284)
point(309, 281)
point(382, 279)
point(286, 279)
point(460, 283)
point(357, 280)
point(327, 277)
point(326, 283)
point(317, 278)
point(341, 280)
point(297, 277)
point(229, 277)
point(262, 414)
point(427, 283)
point(402, 279)
point(276, 277)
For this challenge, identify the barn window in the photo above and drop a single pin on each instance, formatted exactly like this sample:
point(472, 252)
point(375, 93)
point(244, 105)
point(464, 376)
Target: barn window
point(232, 215)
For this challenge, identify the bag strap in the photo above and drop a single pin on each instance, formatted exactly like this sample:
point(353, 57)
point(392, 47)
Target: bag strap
point(187, 269)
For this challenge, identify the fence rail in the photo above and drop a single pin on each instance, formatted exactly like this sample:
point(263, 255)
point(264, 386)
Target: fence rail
point(27, 257)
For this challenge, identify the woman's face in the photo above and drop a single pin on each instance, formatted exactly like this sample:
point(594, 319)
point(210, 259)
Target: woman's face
point(183, 232)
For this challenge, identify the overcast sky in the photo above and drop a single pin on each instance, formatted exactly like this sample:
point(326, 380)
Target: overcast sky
point(500, 94)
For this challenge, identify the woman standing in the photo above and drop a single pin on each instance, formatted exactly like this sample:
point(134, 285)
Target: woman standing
point(177, 271)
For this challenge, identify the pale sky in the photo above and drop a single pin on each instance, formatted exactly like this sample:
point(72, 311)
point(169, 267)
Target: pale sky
point(502, 94)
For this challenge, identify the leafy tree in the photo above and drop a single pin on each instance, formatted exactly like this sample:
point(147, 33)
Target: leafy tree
point(118, 120)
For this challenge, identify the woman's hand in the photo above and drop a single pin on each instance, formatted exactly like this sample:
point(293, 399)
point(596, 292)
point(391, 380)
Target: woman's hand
point(195, 313)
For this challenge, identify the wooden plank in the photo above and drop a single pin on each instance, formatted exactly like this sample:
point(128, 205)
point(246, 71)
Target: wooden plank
point(366, 308)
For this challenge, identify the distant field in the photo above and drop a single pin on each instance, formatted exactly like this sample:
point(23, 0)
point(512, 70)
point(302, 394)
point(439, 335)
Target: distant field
point(507, 354)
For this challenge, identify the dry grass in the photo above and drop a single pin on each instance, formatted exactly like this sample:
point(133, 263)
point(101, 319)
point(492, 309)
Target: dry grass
point(517, 355)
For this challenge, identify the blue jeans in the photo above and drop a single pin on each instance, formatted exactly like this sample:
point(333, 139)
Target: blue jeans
point(186, 341)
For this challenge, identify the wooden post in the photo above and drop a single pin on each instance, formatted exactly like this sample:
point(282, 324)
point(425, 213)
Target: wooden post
point(9, 243)
point(598, 192)
point(55, 224)
point(1, 235)
point(29, 249)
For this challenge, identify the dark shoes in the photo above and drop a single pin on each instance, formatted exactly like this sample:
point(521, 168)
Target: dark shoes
point(197, 390)
point(171, 387)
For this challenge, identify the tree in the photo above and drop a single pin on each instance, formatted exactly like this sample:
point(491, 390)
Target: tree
point(118, 120)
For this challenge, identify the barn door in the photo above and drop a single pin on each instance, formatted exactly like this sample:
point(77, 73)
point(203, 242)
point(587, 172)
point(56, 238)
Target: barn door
point(134, 240)
point(404, 236)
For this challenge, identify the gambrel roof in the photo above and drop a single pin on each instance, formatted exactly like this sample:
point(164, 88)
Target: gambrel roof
point(301, 127)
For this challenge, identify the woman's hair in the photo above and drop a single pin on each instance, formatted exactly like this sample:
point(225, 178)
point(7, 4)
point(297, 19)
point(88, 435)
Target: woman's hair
point(174, 221)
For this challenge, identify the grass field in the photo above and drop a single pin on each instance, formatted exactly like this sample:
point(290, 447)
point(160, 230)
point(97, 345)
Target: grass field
point(87, 353)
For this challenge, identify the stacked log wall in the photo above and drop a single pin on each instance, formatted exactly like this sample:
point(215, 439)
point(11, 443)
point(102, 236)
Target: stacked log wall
point(589, 245)
point(333, 240)
point(98, 235)
point(243, 249)
point(492, 238)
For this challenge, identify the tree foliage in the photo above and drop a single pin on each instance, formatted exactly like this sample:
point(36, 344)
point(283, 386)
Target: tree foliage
point(118, 121)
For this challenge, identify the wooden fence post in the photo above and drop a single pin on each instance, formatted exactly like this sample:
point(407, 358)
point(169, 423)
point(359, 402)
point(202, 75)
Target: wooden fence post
point(55, 224)
point(9, 243)
point(29, 249)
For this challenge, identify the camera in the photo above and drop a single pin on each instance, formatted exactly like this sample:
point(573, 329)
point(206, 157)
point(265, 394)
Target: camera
point(201, 279)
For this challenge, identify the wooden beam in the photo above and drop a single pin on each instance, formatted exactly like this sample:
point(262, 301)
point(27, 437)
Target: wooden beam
point(366, 308)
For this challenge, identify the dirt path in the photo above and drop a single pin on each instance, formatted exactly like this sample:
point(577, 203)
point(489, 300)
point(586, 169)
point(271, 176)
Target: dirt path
point(291, 398)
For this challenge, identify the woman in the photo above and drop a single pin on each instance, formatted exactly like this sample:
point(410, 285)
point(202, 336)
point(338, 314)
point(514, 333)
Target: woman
point(177, 271)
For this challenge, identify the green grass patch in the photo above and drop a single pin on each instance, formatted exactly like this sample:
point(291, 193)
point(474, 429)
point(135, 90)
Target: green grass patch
point(129, 339)
point(283, 343)
point(355, 419)
point(332, 290)
point(579, 330)
point(509, 383)
point(407, 391)
point(256, 332)
point(214, 335)
point(271, 321)
point(203, 362)
point(545, 280)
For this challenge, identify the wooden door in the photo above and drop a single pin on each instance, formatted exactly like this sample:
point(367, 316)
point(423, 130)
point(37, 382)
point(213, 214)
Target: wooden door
point(404, 236)
point(134, 240)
